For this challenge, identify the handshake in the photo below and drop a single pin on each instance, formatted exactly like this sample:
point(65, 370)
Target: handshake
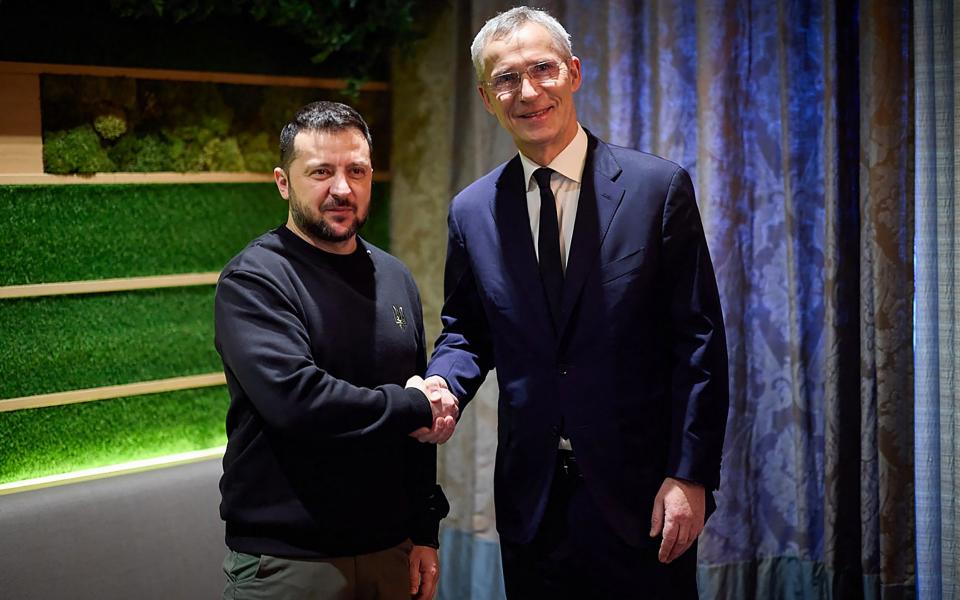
point(443, 406)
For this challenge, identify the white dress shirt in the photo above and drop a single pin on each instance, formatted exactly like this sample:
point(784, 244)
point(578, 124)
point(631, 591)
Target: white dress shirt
point(565, 184)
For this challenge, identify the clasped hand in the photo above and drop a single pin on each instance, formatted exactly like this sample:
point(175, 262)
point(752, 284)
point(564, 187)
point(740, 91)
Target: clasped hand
point(443, 405)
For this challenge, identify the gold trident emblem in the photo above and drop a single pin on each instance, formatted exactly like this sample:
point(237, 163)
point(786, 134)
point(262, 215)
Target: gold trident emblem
point(398, 317)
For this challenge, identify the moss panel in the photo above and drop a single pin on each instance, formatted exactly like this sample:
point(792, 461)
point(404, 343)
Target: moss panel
point(79, 232)
point(62, 343)
point(66, 233)
point(61, 439)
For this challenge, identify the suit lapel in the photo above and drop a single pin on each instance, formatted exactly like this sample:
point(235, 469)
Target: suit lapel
point(600, 197)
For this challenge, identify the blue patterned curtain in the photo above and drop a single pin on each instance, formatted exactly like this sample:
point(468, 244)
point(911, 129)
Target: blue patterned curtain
point(937, 66)
point(796, 120)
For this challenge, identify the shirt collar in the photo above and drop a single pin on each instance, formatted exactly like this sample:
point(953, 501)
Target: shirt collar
point(568, 163)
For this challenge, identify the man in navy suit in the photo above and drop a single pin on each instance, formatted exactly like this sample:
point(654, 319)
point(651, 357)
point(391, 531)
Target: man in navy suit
point(580, 271)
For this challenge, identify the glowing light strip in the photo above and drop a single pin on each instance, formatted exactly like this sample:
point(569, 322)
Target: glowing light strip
point(114, 391)
point(137, 466)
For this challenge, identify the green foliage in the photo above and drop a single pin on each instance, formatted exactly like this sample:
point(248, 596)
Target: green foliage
point(76, 150)
point(110, 126)
point(144, 153)
point(223, 154)
point(92, 340)
point(82, 100)
point(185, 149)
point(171, 126)
point(257, 152)
point(60, 439)
point(358, 33)
point(279, 104)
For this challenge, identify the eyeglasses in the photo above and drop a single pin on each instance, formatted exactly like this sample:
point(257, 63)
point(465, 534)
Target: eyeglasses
point(547, 71)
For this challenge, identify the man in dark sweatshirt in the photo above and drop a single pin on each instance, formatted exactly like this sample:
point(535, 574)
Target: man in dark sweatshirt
point(326, 490)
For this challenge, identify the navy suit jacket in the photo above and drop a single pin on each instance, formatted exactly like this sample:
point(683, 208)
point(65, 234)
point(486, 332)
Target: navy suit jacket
point(636, 374)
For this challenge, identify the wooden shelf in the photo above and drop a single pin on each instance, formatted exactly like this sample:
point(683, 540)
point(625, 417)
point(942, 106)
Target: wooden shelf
point(145, 178)
point(176, 75)
point(100, 286)
point(140, 388)
point(21, 144)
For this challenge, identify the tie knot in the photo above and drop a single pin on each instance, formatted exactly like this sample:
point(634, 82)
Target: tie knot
point(542, 175)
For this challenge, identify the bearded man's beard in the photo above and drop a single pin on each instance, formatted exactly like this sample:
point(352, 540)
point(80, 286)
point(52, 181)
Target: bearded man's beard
point(317, 229)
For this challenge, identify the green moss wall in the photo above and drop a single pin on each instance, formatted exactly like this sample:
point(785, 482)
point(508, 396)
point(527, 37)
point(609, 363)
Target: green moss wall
point(60, 343)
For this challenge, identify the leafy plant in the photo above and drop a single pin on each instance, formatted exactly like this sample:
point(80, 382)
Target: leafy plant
point(360, 32)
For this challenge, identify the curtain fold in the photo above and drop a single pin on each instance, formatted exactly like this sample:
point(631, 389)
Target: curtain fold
point(937, 444)
point(886, 296)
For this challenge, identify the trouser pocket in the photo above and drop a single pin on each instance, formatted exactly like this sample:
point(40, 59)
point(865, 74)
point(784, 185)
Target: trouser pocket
point(240, 567)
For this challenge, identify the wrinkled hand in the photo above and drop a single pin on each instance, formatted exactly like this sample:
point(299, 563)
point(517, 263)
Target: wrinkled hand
point(678, 511)
point(424, 572)
point(443, 405)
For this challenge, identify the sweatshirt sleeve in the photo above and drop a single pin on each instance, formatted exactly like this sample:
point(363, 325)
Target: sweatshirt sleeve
point(430, 503)
point(264, 344)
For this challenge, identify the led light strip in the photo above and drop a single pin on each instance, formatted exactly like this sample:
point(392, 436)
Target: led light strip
point(137, 466)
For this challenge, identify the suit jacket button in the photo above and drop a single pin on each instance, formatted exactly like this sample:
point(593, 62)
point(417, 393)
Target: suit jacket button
point(563, 370)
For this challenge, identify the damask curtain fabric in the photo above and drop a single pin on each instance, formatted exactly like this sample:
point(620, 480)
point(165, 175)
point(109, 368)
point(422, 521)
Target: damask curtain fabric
point(937, 68)
point(795, 120)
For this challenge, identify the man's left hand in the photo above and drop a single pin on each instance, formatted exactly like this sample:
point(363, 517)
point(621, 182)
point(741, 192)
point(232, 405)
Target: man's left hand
point(678, 511)
point(424, 572)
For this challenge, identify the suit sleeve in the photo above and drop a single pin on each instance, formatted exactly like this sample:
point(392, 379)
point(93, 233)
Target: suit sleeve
point(698, 349)
point(430, 503)
point(463, 354)
point(264, 344)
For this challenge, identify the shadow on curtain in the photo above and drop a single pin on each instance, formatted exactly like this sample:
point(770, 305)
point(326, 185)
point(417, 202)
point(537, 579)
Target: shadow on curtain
point(796, 121)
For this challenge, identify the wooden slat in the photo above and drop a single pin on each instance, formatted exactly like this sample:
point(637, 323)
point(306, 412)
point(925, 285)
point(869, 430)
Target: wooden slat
point(113, 391)
point(40, 178)
point(128, 468)
point(164, 177)
point(96, 286)
point(21, 142)
point(177, 75)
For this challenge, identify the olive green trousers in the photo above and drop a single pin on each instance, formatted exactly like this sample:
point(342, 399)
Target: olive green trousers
point(383, 575)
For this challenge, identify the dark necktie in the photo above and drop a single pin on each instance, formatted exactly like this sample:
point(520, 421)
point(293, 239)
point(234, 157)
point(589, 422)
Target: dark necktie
point(548, 245)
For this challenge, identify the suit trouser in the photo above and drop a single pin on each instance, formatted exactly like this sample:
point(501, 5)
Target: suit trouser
point(383, 575)
point(577, 554)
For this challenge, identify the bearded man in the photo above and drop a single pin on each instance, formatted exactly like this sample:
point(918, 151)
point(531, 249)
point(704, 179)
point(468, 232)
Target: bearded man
point(325, 492)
